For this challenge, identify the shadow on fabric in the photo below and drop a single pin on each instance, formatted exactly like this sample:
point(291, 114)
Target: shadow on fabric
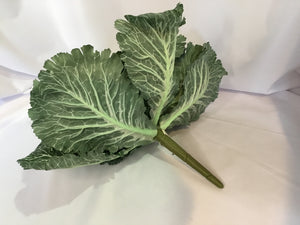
point(141, 188)
point(288, 105)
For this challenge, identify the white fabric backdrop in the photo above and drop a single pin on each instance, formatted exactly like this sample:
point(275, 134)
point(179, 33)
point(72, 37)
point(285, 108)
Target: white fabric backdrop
point(258, 40)
point(250, 141)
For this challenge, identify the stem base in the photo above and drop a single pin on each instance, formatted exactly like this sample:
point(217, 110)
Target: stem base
point(172, 146)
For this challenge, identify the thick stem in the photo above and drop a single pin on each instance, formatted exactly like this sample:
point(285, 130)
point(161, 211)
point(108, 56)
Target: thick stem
point(171, 145)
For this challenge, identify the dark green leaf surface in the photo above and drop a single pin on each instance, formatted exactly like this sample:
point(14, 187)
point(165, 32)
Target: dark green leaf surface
point(150, 43)
point(180, 45)
point(201, 73)
point(47, 158)
point(92, 108)
point(182, 64)
point(82, 102)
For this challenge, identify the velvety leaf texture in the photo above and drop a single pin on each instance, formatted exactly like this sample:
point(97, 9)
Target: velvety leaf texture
point(201, 73)
point(89, 107)
point(191, 53)
point(82, 101)
point(149, 44)
point(47, 158)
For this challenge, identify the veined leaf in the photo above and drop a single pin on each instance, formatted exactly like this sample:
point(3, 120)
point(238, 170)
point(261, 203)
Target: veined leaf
point(150, 43)
point(92, 108)
point(47, 158)
point(182, 64)
point(202, 75)
point(82, 102)
point(180, 45)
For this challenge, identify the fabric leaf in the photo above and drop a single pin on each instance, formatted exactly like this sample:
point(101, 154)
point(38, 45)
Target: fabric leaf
point(180, 45)
point(149, 44)
point(47, 158)
point(182, 63)
point(201, 73)
point(83, 102)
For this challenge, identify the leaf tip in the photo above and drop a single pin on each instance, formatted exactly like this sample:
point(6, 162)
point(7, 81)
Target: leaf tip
point(179, 8)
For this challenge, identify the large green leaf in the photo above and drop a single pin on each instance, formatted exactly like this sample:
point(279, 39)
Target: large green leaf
point(47, 158)
point(83, 102)
point(182, 64)
point(150, 44)
point(201, 73)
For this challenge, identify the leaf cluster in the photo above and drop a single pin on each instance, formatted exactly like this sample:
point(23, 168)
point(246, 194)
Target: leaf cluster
point(91, 107)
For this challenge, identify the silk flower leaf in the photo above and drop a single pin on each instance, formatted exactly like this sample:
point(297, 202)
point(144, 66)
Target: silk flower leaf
point(202, 74)
point(47, 158)
point(83, 97)
point(149, 44)
point(91, 108)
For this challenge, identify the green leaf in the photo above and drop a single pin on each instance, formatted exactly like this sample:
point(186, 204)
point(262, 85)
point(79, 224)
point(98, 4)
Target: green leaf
point(180, 45)
point(150, 43)
point(93, 108)
point(47, 158)
point(202, 74)
point(82, 102)
point(183, 63)
point(191, 54)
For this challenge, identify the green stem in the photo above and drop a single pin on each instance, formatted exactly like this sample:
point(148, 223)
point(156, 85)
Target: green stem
point(171, 145)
